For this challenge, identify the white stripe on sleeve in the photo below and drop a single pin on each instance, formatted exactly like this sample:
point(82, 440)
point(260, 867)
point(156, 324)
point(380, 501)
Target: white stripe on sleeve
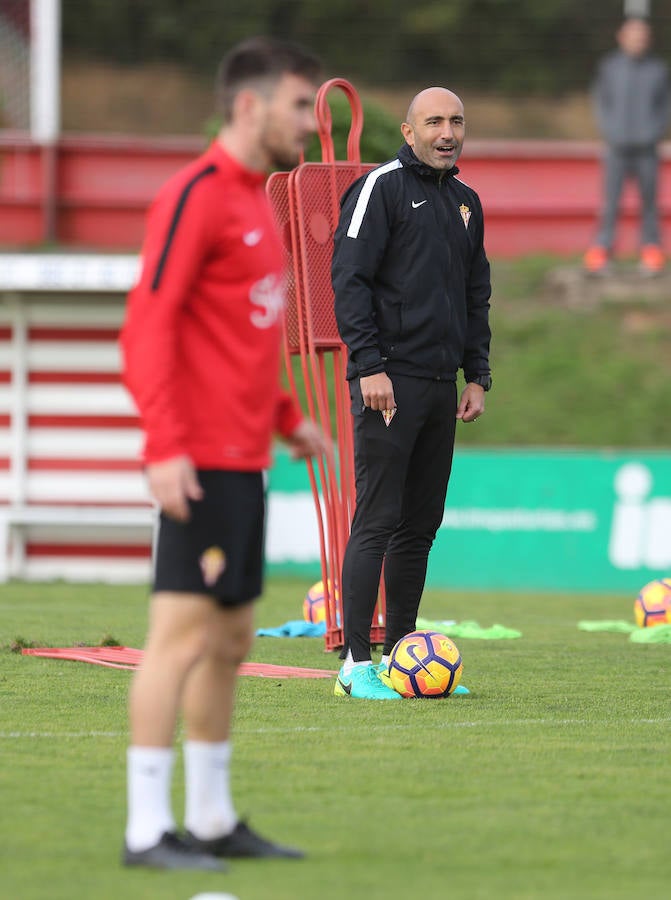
point(364, 196)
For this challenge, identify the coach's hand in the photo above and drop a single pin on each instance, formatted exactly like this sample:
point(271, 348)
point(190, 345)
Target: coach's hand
point(472, 403)
point(173, 482)
point(377, 391)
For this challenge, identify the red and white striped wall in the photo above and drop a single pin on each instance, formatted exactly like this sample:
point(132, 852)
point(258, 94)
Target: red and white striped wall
point(69, 435)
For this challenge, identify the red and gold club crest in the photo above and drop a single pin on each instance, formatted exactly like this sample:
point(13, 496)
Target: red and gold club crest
point(465, 214)
point(212, 564)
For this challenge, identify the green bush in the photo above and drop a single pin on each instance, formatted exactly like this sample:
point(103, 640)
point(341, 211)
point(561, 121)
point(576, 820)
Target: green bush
point(380, 139)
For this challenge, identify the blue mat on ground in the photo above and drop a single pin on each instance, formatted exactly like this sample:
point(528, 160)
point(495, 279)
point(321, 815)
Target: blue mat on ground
point(295, 628)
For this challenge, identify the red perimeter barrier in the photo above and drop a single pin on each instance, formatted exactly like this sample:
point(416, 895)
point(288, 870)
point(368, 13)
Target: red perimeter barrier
point(538, 196)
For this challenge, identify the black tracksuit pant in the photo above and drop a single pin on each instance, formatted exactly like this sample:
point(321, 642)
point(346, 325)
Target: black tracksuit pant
point(642, 164)
point(401, 474)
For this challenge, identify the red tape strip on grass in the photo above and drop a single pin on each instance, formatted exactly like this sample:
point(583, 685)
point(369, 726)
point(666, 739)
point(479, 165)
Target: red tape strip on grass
point(129, 658)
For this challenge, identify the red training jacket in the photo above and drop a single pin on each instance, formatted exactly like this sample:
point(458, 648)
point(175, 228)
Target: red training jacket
point(201, 342)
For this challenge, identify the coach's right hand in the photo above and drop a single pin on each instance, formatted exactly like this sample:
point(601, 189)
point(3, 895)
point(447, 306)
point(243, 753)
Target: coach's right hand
point(377, 391)
point(173, 482)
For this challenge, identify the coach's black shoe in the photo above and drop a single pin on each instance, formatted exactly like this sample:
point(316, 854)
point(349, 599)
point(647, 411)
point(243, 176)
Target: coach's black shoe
point(243, 843)
point(172, 852)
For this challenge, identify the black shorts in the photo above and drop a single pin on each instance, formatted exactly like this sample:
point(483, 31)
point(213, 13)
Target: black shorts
point(219, 551)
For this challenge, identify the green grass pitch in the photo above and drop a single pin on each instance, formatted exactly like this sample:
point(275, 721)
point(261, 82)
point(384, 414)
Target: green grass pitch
point(551, 780)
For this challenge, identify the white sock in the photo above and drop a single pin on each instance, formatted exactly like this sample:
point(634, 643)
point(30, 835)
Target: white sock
point(209, 807)
point(149, 778)
point(385, 659)
point(349, 663)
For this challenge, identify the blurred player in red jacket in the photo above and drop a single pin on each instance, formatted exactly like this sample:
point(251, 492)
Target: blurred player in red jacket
point(201, 350)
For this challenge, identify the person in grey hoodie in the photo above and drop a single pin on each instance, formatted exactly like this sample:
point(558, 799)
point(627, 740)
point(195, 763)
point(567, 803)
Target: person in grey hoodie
point(632, 103)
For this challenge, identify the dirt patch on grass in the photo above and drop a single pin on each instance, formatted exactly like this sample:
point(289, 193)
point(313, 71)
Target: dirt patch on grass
point(643, 300)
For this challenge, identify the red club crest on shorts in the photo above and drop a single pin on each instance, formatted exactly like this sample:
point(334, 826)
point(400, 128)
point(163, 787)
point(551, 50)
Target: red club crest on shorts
point(212, 564)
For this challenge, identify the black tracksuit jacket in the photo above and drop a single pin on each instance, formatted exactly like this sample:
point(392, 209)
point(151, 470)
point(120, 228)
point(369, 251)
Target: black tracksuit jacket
point(410, 273)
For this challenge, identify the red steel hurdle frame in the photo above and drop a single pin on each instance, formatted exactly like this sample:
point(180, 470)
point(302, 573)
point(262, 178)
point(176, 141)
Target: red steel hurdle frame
point(306, 203)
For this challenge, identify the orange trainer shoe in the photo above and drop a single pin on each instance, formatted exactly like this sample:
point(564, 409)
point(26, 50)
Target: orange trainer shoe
point(652, 259)
point(595, 261)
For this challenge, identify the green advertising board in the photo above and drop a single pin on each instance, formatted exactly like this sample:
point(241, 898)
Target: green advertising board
point(518, 520)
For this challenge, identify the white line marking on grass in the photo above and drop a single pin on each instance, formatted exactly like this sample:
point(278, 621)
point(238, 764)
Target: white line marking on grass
point(447, 725)
point(8, 735)
point(316, 729)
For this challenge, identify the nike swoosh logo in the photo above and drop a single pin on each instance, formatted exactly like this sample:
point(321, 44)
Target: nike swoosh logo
point(421, 203)
point(252, 238)
point(413, 655)
point(347, 688)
